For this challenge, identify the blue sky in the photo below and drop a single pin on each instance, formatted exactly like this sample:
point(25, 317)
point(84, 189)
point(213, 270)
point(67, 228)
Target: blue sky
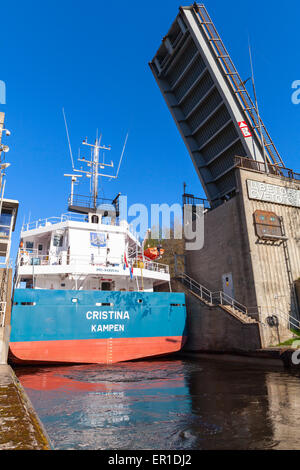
point(92, 59)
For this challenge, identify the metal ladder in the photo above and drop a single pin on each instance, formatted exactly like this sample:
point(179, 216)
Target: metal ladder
point(237, 85)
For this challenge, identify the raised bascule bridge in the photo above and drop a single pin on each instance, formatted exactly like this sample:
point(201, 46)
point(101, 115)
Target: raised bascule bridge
point(244, 281)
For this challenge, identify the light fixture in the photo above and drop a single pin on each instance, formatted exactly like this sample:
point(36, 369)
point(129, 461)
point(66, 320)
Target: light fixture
point(4, 148)
point(74, 301)
point(3, 166)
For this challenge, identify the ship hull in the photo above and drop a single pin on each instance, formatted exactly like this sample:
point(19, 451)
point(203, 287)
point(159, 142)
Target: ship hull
point(53, 327)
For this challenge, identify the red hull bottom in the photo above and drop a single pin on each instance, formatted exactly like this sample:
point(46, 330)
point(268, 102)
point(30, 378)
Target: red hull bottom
point(93, 351)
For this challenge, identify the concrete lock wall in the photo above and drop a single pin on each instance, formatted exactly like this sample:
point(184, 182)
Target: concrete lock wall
point(211, 329)
point(258, 269)
point(226, 251)
point(8, 294)
point(297, 284)
point(4, 344)
point(268, 259)
point(5, 331)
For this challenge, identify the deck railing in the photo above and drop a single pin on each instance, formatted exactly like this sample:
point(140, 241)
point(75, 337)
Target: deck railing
point(40, 223)
point(64, 259)
point(53, 221)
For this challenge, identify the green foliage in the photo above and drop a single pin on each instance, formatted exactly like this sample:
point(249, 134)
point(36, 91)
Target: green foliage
point(290, 342)
point(172, 247)
point(295, 331)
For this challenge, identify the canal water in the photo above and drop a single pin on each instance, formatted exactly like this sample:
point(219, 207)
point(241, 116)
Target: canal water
point(166, 404)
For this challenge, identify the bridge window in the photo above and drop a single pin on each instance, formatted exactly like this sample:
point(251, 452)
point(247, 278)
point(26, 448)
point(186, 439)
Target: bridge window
point(95, 219)
point(5, 218)
point(58, 240)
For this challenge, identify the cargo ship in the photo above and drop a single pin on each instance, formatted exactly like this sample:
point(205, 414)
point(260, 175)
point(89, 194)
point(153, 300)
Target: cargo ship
point(84, 289)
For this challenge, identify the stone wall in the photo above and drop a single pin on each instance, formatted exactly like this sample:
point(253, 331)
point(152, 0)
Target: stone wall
point(5, 332)
point(8, 297)
point(226, 250)
point(297, 287)
point(211, 329)
point(4, 344)
point(258, 268)
point(274, 292)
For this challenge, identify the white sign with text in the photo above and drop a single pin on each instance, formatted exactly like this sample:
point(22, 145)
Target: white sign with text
point(273, 193)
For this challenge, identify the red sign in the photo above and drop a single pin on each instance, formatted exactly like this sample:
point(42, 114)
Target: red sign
point(245, 129)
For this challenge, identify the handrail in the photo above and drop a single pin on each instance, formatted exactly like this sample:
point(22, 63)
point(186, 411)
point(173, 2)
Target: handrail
point(66, 259)
point(190, 199)
point(65, 218)
point(53, 221)
point(225, 298)
point(204, 292)
point(214, 298)
point(221, 298)
point(260, 167)
point(280, 313)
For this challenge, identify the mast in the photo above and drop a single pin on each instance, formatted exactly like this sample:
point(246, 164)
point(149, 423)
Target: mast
point(94, 164)
point(86, 204)
point(95, 172)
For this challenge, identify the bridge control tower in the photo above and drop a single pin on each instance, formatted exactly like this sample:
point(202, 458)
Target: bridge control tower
point(251, 252)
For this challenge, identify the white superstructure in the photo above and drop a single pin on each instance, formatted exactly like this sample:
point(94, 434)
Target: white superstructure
point(89, 248)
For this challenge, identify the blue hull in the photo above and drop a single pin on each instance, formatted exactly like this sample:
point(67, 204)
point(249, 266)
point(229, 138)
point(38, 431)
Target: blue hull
point(95, 326)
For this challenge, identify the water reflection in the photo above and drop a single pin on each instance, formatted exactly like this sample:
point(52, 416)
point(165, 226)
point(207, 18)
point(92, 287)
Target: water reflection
point(166, 405)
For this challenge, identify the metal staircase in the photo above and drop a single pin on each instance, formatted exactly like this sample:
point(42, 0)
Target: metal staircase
point(235, 308)
point(219, 299)
point(237, 85)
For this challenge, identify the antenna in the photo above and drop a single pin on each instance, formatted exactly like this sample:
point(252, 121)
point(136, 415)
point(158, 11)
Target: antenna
point(70, 148)
point(95, 166)
point(73, 181)
point(257, 110)
point(122, 155)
